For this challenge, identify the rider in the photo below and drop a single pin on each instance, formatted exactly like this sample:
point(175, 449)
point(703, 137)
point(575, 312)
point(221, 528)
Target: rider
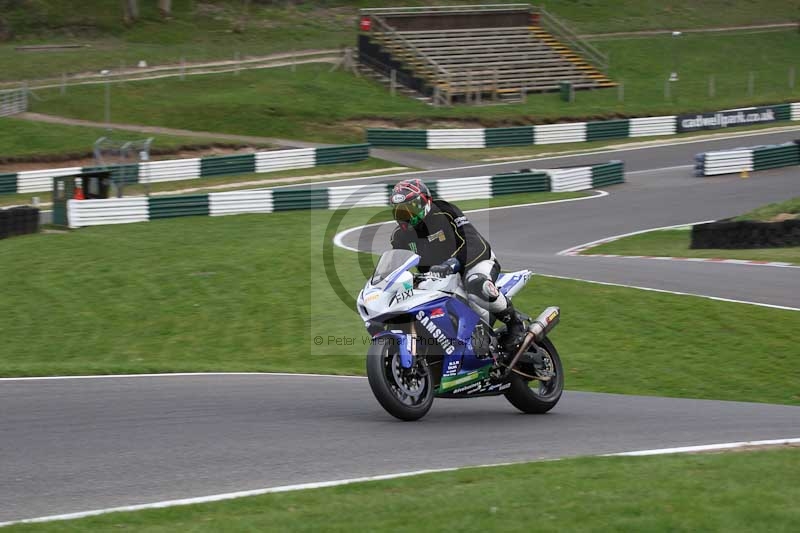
point(447, 242)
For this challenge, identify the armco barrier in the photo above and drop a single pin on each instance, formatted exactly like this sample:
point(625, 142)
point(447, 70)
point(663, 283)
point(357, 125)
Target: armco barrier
point(464, 188)
point(228, 165)
point(517, 136)
point(291, 199)
point(42, 180)
point(782, 155)
point(138, 209)
point(473, 138)
point(652, 126)
point(82, 213)
point(571, 179)
point(556, 133)
point(8, 183)
point(184, 169)
point(239, 202)
point(178, 206)
point(341, 154)
point(173, 170)
point(610, 173)
point(520, 182)
point(560, 133)
point(747, 159)
point(407, 138)
point(609, 129)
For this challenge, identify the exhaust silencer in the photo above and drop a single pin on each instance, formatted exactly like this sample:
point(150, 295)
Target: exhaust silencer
point(544, 323)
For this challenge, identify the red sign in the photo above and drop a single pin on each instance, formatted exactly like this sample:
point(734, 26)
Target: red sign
point(366, 24)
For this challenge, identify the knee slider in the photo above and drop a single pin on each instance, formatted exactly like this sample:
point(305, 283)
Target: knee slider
point(482, 286)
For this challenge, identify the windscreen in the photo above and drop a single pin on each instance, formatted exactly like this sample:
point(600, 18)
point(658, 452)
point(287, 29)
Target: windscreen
point(389, 262)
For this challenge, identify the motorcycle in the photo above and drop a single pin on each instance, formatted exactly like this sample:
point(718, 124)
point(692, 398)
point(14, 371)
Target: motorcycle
point(428, 341)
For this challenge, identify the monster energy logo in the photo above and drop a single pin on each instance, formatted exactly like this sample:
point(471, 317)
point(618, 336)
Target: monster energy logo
point(413, 246)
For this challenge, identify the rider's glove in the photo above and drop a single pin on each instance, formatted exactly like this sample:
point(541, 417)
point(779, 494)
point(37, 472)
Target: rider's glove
point(451, 266)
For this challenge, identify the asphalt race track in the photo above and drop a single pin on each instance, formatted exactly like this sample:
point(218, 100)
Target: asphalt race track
point(75, 445)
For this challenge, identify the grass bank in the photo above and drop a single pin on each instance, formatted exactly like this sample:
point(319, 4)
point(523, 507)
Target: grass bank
point(24, 140)
point(251, 292)
point(707, 492)
point(206, 31)
point(313, 103)
point(675, 243)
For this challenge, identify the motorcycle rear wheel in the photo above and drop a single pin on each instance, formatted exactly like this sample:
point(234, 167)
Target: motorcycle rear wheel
point(406, 394)
point(546, 394)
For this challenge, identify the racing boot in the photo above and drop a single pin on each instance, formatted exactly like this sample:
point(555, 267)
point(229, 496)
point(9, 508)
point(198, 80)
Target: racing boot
point(515, 329)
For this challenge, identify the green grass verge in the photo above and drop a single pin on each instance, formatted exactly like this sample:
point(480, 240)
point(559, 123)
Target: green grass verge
point(675, 243)
point(707, 492)
point(250, 293)
point(313, 103)
point(770, 211)
point(32, 141)
point(235, 182)
point(210, 31)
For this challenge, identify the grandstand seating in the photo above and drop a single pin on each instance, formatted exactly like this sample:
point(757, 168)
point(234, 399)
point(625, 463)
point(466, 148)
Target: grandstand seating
point(473, 63)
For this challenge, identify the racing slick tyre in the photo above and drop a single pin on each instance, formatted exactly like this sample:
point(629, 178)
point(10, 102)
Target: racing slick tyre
point(533, 396)
point(406, 394)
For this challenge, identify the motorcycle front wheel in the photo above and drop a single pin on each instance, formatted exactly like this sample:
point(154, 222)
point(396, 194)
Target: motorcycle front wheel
point(405, 393)
point(533, 396)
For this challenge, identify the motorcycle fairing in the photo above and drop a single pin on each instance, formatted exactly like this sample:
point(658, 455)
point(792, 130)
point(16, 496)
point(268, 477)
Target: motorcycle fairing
point(512, 282)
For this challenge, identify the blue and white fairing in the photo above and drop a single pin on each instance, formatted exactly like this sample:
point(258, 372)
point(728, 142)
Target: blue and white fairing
point(436, 305)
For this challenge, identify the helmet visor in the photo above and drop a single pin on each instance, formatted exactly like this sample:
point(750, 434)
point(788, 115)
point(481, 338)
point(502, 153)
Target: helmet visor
point(410, 211)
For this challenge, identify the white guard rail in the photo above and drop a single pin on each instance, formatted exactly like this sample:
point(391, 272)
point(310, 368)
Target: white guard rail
point(796, 111)
point(42, 180)
point(172, 170)
point(238, 202)
point(285, 160)
point(570, 179)
point(560, 133)
point(728, 162)
point(467, 138)
point(465, 188)
point(358, 195)
point(646, 127)
point(83, 213)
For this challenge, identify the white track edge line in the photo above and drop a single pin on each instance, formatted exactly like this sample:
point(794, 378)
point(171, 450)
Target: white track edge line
point(382, 477)
point(605, 240)
point(705, 448)
point(339, 237)
point(678, 293)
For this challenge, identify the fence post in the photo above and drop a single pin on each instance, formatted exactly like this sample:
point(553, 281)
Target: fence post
point(393, 82)
point(792, 77)
point(621, 91)
point(712, 87)
point(523, 95)
point(468, 96)
point(495, 95)
point(667, 93)
point(751, 82)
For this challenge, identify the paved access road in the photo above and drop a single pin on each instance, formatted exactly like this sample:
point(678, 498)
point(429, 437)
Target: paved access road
point(76, 445)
